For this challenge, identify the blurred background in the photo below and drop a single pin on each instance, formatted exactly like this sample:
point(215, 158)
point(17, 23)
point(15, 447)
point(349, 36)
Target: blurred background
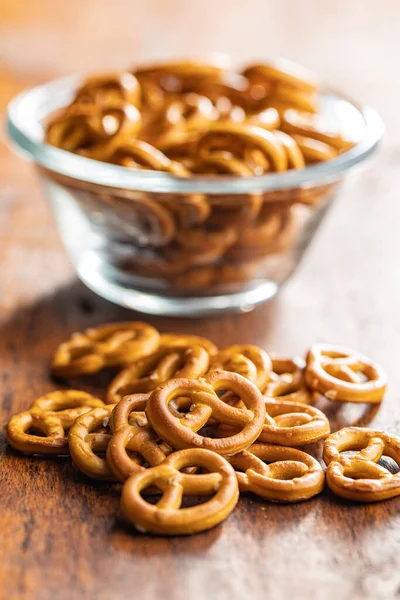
point(352, 45)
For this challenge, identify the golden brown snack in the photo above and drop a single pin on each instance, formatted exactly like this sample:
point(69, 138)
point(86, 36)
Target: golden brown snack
point(130, 428)
point(359, 477)
point(290, 475)
point(167, 517)
point(251, 362)
point(344, 375)
point(115, 344)
point(168, 362)
point(180, 431)
point(287, 382)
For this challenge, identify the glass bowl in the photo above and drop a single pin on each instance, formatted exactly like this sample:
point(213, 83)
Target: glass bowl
point(187, 247)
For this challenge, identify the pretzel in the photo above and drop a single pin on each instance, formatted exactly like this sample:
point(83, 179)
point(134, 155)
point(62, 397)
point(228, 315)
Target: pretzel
point(343, 375)
point(141, 155)
point(42, 429)
point(115, 344)
point(313, 126)
point(131, 429)
point(167, 517)
point(249, 361)
point(359, 477)
point(108, 88)
point(286, 381)
point(181, 432)
point(289, 476)
point(293, 424)
point(184, 339)
point(85, 442)
point(147, 373)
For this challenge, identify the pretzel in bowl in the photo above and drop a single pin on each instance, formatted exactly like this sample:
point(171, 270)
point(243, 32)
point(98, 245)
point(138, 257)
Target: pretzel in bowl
point(359, 477)
point(251, 362)
point(43, 429)
point(88, 437)
point(343, 375)
point(290, 475)
point(286, 380)
point(131, 429)
point(116, 344)
point(168, 362)
point(180, 431)
point(167, 516)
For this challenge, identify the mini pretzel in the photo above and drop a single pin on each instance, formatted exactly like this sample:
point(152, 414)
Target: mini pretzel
point(249, 361)
point(108, 345)
point(343, 375)
point(286, 381)
point(67, 405)
point(167, 517)
point(313, 126)
point(107, 88)
point(181, 432)
point(289, 476)
point(359, 477)
point(184, 339)
point(50, 416)
point(293, 424)
point(51, 438)
point(84, 442)
point(147, 373)
point(131, 429)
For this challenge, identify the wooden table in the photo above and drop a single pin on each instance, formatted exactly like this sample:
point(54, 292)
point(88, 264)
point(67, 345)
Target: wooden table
point(62, 536)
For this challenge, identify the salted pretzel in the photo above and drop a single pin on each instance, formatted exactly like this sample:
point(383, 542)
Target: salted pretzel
point(167, 516)
point(180, 431)
point(185, 339)
point(344, 375)
point(359, 477)
point(130, 429)
point(290, 475)
point(88, 437)
point(43, 429)
point(293, 423)
point(116, 344)
point(286, 380)
point(251, 362)
point(145, 374)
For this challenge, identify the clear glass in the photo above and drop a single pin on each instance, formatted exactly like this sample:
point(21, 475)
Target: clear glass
point(188, 247)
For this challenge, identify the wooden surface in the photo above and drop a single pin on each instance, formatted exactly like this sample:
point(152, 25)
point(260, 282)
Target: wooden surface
point(61, 534)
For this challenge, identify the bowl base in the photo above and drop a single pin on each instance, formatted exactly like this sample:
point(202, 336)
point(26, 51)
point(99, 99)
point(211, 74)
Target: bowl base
point(157, 304)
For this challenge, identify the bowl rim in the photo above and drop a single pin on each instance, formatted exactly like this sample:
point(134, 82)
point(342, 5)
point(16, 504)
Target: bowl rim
point(26, 133)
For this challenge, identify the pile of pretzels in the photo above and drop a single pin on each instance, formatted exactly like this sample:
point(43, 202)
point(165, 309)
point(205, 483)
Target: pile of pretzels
point(192, 118)
point(184, 418)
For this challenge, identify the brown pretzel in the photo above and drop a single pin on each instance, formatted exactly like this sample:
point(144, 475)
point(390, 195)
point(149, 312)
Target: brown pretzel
point(141, 155)
point(115, 344)
point(131, 430)
point(167, 517)
point(181, 431)
point(286, 381)
point(108, 88)
point(359, 477)
point(147, 373)
point(289, 476)
point(314, 126)
point(85, 442)
point(344, 375)
point(42, 429)
point(184, 339)
point(293, 424)
point(249, 361)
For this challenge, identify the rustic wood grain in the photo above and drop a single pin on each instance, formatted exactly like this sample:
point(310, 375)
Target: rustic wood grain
point(61, 534)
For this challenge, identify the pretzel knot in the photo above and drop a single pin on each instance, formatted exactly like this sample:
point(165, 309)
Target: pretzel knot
point(251, 362)
point(109, 88)
point(88, 436)
point(343, 375)
point(131, 430)
point(167, 516)
point(286, 381)
point(116, 344)
point(359, 477)
point(290, 475)
point(293, 424)
point(180, 431)
point(42, 429)
point(168, 362)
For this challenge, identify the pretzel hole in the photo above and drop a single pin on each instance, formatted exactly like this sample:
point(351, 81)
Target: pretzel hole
point(286, 470)
point(390, 464)
point(36, 432)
